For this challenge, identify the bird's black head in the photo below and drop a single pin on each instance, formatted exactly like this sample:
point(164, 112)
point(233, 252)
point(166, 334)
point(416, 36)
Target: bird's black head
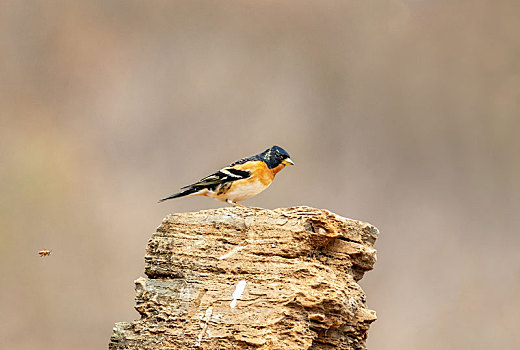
point(275, 156)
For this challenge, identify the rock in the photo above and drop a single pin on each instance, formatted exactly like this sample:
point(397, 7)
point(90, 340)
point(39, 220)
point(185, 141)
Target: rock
point(250, 278)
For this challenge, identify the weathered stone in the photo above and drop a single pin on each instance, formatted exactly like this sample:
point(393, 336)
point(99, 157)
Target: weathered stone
point(250, 278)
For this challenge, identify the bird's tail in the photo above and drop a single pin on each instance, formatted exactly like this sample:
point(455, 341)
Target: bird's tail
point(184, 193)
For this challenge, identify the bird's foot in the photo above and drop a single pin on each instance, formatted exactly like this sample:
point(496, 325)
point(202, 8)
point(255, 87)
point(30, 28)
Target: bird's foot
point(229, 201)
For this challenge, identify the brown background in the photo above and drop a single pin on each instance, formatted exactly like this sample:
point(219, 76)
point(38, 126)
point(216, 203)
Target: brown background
point(401, 113)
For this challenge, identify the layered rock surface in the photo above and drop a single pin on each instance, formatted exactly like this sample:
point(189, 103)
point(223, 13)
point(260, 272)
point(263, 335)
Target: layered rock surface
point(251, 278)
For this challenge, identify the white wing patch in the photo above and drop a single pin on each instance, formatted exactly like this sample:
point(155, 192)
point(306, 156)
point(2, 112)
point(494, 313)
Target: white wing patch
point(228, 173)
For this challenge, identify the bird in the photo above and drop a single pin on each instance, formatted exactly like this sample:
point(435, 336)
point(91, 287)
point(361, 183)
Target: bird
point(44, 252)
point(240, 180)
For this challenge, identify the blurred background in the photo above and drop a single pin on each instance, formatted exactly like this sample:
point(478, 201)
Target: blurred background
point(402, 113)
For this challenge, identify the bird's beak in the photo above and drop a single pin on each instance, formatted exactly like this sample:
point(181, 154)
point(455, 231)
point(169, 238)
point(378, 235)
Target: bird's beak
point(287, 161)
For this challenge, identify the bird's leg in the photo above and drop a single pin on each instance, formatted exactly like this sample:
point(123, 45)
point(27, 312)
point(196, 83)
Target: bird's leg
point(229, 201)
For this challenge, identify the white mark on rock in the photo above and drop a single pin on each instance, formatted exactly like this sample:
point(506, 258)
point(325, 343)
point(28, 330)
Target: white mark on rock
point(208, 313)
point(185, 293)
point(241, 286)
point(282, 221)
point(353, 304)
point(233, 251)
point(205, 320)
point(216, 318)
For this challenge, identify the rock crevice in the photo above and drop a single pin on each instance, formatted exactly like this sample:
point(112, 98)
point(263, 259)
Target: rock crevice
point(250, 278)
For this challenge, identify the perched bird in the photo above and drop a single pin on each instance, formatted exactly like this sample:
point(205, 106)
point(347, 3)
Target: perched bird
point(44, 252)
point(241, 180)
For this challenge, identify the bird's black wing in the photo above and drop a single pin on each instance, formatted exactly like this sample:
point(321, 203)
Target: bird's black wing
point(212, 182)
point(224, 175)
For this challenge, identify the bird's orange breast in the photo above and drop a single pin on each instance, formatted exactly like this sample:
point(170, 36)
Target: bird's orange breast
point(260, 171)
